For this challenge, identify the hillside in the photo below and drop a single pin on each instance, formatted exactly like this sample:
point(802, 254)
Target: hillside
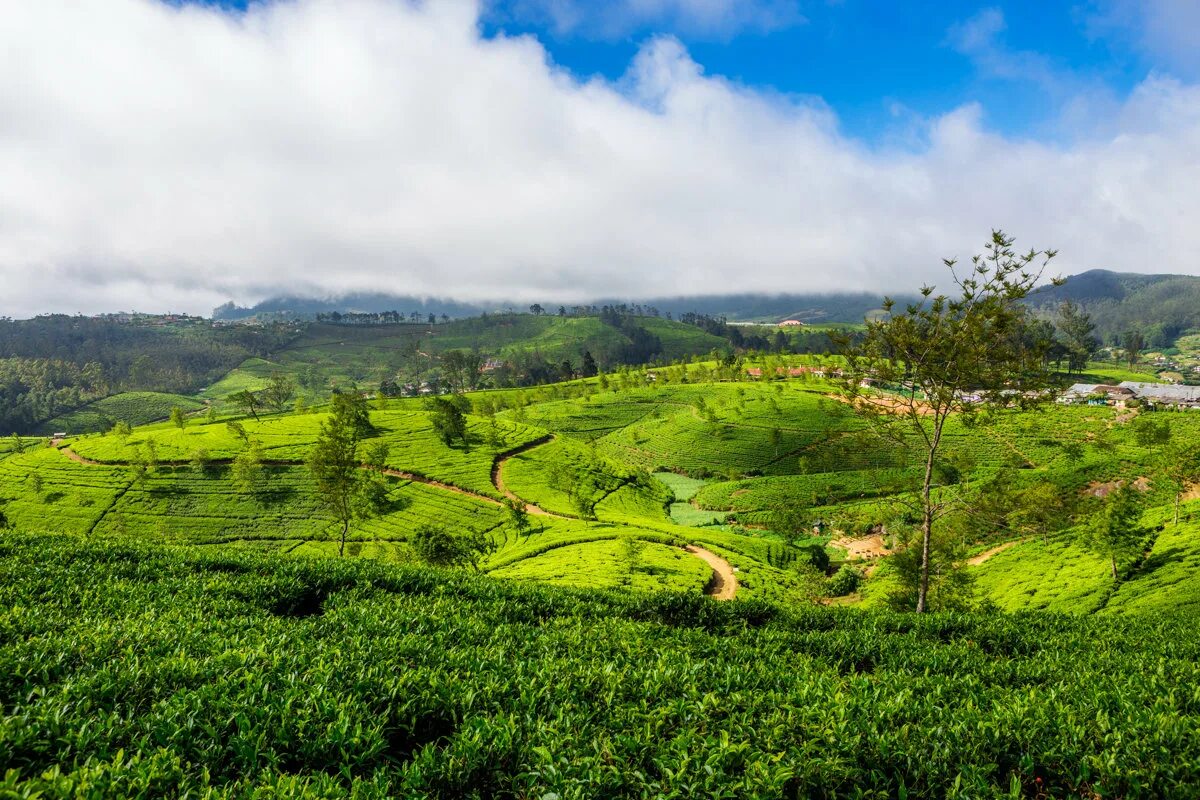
point(1162, 306)
point(847, 307)
point(584, 659)
point(761, 464)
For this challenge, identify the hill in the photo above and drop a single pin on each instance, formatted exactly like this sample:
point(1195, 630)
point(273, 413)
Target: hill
point(1161, 306)
point(847, 307)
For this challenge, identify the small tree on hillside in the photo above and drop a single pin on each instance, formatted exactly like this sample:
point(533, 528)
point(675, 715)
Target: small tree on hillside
point(1134, 343)
point(438, 547)
point(351, 408)
point(121, 430)
point(1179, 468)
point(279, 391)
point(238, 431)
point(632, 549)
point(518, 516)
point(1078, 334)
point(335, 467)
point(247, 401)
point(177, 417)
point(448, 420)
point(1113, 531)
point(968, 354)
point(246, 471)
point(36, 484)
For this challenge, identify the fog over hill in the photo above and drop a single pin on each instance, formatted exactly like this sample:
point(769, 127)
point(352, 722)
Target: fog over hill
point(811, 308)
point(1118, 301)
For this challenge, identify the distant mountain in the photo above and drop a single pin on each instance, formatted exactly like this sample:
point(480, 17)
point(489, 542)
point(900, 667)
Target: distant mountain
point(308, 307)
point(811, 308)
point(1161, 306)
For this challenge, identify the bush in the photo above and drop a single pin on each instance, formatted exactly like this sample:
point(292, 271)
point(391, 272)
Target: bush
point(843, 582)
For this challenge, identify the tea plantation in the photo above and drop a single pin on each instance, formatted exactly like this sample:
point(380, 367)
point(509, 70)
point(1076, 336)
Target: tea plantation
point(169, 629)
point(141, 670)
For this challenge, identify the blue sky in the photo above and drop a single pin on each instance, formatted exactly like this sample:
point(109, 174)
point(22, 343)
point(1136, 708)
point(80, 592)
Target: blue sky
point(181, 154)
point(877, 64)
point(872, 62)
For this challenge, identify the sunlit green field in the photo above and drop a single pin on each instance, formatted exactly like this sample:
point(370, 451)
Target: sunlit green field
point(745, 468)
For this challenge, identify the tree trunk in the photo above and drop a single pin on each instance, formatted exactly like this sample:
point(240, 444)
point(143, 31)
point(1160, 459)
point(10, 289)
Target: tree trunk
point(927, 516)
point(1177, 496)
point(1112, 560)
point(345, 530)
point(926, 535)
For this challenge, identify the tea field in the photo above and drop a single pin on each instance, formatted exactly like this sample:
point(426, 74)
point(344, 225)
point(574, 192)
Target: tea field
point(149, 670)
point(746, 469)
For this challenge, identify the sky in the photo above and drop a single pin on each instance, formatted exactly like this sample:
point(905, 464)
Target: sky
point(171, 156)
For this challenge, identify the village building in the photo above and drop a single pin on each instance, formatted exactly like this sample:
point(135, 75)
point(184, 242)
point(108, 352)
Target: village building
point(1165, 394)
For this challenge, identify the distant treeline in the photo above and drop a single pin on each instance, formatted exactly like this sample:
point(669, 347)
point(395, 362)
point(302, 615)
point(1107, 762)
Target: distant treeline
point(55, 363)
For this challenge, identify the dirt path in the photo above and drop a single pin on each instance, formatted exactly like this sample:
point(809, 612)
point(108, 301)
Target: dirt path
point(78, 459)
point(723, 585)
point(498, 475)
point(975, 561)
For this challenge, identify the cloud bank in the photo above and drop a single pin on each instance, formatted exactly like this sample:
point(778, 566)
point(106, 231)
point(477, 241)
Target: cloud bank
point(158, 157)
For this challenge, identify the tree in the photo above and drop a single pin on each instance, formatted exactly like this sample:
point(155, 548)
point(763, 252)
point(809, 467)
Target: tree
point(448, 420)
point(1076, 329)
point(966, 355)
point(588, 368)
point(1038, 509)
point(438, 547)
point(211, 415)
point(247, 401)
point(335, 467)
point(1151, 434)
point(237, 430)
point(518, 516)
point(200, 460)
point(1133, 343)
point(246, 472)
point(144, 462)
point(776, 439)
point(18, 446)
point(279, 391)
point(352, 408)
point(1180, 468)
point(536, 310)
point(1114, 532)
point(121, 430)
point(177, 417)
point(36, 483)
point(632, 549)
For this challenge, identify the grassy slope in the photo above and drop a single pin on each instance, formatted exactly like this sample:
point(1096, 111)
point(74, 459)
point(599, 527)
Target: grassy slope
point(606, 441)
point(136, 408)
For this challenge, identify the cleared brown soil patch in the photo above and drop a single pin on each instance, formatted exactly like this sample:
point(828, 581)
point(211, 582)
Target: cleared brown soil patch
point(1102, 489)
point(865, 547)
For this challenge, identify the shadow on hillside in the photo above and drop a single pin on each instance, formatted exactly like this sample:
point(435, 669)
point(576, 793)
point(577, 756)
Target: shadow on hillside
point(1162, 559)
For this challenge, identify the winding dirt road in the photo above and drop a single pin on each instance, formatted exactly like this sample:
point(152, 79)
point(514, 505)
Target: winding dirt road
point(723, 585)
point(498, 475)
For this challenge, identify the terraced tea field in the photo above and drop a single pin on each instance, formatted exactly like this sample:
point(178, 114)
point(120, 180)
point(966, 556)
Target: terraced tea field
point(744, 469)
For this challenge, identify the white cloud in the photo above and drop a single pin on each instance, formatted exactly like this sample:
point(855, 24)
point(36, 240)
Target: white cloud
point(719, 19)
point(158, 157)
point(1166, 31)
